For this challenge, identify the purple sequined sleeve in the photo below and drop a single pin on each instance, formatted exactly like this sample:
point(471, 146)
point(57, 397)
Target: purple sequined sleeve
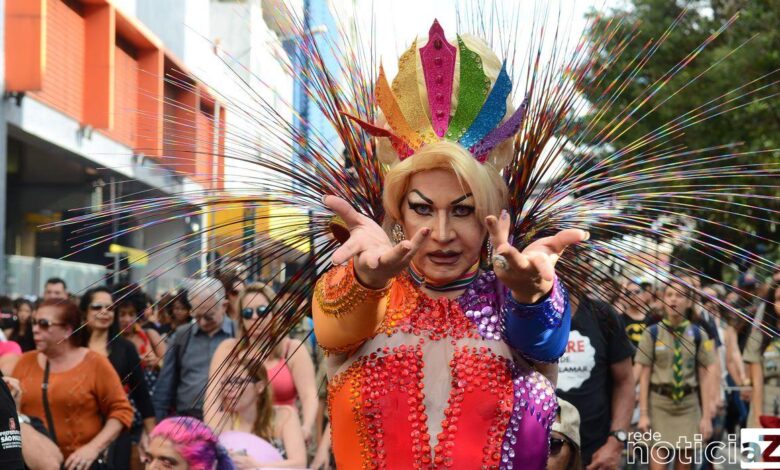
point(539, 331)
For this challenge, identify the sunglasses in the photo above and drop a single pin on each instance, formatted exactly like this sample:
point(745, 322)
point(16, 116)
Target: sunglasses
point(556, 444)
point(261, 311)
point(44, 324)
point(99, 306)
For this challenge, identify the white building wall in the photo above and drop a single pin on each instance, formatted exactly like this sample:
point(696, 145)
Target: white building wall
point(252, 77)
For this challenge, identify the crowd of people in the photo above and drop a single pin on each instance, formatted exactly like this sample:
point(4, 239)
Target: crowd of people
point(105, 379)
point(658, 369)
point(114, 379)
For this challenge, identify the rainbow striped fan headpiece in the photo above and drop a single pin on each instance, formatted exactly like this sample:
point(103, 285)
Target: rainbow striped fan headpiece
point(475, 124)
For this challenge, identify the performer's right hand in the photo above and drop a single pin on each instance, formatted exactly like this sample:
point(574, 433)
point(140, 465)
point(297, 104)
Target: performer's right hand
point(377, 260)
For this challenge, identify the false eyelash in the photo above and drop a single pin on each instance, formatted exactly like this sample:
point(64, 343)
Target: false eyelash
point(469, 208)
point(416, 206)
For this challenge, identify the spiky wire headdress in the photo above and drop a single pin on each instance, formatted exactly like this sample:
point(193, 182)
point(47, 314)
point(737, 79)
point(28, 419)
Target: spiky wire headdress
point(475, 123)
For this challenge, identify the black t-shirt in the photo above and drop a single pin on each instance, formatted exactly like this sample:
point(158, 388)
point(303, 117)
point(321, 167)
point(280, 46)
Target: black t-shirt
point(597, 341)
point(10, 432)
point(634, 328)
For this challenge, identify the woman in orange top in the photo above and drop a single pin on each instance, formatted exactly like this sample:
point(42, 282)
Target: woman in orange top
point(89, 407)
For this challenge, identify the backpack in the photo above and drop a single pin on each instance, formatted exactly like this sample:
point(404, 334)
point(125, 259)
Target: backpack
point(696, 337)
point(696, 341)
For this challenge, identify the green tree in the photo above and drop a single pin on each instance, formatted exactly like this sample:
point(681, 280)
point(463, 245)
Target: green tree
point(748, 52)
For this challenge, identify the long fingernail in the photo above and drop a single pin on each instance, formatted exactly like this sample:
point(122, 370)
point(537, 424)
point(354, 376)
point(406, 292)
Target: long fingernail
point(587, 235)
point(323, 198)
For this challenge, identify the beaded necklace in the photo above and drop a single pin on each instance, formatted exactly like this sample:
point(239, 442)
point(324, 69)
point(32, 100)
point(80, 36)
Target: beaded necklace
point(458, 284)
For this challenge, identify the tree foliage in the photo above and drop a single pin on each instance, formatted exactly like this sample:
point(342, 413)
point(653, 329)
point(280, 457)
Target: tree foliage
point(747, 53)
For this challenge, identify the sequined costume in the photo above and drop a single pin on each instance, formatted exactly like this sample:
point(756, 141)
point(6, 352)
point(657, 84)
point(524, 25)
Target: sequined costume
point(443, 383)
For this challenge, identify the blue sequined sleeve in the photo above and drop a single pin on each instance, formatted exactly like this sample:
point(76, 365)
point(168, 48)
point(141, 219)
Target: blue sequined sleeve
point(540, 331)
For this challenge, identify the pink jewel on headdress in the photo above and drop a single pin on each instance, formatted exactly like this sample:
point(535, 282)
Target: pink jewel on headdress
point(438, 62)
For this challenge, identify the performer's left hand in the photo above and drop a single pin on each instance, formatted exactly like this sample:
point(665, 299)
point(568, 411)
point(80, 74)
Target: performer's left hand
point(528, 275)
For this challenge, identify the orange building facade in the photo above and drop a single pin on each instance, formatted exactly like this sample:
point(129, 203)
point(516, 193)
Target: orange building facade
point(88, 60)
point(98, 110)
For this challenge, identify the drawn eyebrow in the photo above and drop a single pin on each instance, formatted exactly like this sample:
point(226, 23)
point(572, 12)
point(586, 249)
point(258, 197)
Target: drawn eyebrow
point(422, 196)
point(461, 199)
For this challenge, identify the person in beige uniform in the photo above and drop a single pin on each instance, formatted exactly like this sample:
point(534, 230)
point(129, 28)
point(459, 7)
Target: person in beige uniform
point(762, 353)
point(674, 357)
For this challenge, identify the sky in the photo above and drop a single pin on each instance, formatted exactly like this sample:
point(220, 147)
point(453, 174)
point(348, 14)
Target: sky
point(399, 21)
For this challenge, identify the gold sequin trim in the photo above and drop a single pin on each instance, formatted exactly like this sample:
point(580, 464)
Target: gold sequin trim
point(339, 291)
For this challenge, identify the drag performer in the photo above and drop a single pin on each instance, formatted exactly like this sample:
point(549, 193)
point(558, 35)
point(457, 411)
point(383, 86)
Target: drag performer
point(432, 357)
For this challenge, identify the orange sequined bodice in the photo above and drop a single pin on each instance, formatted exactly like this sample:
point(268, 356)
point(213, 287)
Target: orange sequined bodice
point(429, 391)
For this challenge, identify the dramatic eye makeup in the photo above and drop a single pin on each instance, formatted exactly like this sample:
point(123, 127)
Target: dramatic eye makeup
point(425, 207)
point(460, 209)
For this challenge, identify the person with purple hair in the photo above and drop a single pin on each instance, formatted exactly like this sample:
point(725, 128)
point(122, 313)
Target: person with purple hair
point(185, 443)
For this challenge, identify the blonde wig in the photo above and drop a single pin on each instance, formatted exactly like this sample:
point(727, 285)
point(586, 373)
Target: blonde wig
point(482, 180)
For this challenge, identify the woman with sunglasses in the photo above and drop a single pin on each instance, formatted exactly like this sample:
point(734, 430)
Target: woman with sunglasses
point(248, 408)
point(85, 406)
point(290, 368)
point(98, 314)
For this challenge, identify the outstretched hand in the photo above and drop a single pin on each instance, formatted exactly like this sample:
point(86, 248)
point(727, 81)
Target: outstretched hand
point(528, 275)
point(377, 260)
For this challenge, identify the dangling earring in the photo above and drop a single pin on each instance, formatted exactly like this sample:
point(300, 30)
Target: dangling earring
point(487, 255)
point(398, 234)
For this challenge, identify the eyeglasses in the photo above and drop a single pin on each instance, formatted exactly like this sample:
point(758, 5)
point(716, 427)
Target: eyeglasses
point(99, 306)
point(237, 381)
point(261, 311)
point(556, 444)
point(44, 324)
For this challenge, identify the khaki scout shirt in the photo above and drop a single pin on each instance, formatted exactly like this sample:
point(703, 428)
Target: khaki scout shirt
point(660, 356)
point(769, 357)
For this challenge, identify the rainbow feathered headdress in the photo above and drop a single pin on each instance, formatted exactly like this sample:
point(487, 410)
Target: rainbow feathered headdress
point(475, 123)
